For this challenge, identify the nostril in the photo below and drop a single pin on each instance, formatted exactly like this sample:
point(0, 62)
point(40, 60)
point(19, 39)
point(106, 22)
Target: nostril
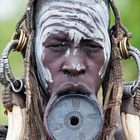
point(66, 72)
point(74, 70)
point(82, 72)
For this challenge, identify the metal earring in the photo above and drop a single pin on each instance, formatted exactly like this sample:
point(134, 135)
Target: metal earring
point(131, 94)
point(127, 51)
point(17, 43)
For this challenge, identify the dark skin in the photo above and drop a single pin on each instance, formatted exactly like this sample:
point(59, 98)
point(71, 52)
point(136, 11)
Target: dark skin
point(74, 68)
point(68, 79)
point(65, 75)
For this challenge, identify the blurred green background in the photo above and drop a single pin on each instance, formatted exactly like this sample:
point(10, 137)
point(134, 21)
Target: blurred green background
point(12, 10)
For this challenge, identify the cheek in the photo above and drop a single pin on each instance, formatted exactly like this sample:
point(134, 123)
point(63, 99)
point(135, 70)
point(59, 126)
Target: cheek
point(47, 63)
point(96, 62)
point(100, 58)
point(47, 57)
point(52, 62)
point(99, 63)
point(95, 66)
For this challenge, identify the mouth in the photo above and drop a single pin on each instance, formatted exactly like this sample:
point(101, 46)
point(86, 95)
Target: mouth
point(70, 88)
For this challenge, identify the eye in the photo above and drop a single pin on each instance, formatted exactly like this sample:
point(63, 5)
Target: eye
point(92, 48)
point(58, 47)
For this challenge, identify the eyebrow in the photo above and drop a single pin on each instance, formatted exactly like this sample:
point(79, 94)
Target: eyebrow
point(60, 36)
point(91, 41)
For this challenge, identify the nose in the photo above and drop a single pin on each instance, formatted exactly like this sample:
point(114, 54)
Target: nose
point(74, 66)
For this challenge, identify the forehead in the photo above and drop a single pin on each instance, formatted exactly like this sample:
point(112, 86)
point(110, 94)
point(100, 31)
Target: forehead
point(99, 6)
point(78, 19)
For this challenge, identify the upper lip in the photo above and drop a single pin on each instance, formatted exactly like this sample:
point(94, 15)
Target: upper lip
point(68, 88)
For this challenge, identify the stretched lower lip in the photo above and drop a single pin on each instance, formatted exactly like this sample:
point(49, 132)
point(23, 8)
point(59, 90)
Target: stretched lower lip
point(54, 99)
point(69, 88)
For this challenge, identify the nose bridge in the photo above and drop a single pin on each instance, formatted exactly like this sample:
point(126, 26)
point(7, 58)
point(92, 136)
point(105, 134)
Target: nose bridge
point(74, 63)
point(75, 59)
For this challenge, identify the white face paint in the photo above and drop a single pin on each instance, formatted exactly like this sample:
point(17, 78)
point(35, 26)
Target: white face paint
point(77, 66)
point(81, 19)
point(67, 53)
point(75, 51)
point(43, 72)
